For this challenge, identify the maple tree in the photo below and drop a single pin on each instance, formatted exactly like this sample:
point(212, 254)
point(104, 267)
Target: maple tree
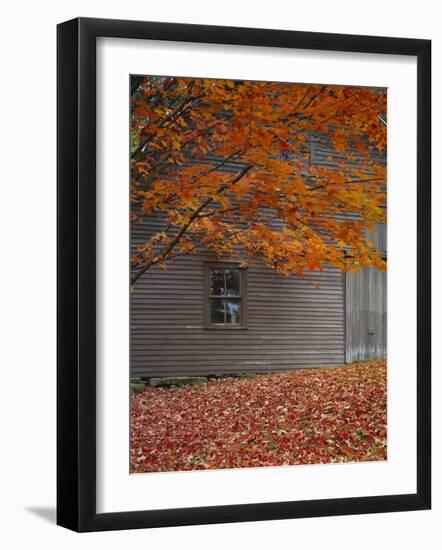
point(312, 416)
point(186, 133)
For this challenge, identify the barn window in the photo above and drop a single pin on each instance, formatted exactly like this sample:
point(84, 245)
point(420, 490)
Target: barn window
point(225, 301)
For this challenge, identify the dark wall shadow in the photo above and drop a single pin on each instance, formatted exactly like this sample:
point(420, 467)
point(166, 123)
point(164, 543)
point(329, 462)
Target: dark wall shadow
point(46, 513)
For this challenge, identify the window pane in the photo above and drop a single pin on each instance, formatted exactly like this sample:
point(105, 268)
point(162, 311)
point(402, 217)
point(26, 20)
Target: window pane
point(217, 311)
point(225, 282)
point(233, 309)
point(232, 282)
point(225, 312)
point(217, 282)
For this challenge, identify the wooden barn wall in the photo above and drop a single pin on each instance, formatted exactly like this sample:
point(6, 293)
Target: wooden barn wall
point(366, 310)
point(365, 290)
point(292, 323)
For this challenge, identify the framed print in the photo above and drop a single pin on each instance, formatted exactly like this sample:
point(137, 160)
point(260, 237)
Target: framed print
point(231, 344)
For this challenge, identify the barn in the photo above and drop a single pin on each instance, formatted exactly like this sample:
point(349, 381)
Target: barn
point(209, 316)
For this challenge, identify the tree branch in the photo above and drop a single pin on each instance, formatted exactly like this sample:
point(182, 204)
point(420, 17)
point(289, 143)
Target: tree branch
point(163, 255)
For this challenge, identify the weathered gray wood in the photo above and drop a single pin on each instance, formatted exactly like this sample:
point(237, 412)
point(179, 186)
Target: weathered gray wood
point(366, 315)
point(323, 318)
point(366, 308)
point(291, 323)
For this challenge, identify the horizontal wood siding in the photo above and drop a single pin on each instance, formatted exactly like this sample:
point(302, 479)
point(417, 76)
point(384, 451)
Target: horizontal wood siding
point(292, 322)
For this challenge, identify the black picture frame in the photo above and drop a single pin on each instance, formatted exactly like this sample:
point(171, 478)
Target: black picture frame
point(76, 272)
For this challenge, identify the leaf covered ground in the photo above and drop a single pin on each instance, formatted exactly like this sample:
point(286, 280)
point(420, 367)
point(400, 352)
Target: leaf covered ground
point(304, 417)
